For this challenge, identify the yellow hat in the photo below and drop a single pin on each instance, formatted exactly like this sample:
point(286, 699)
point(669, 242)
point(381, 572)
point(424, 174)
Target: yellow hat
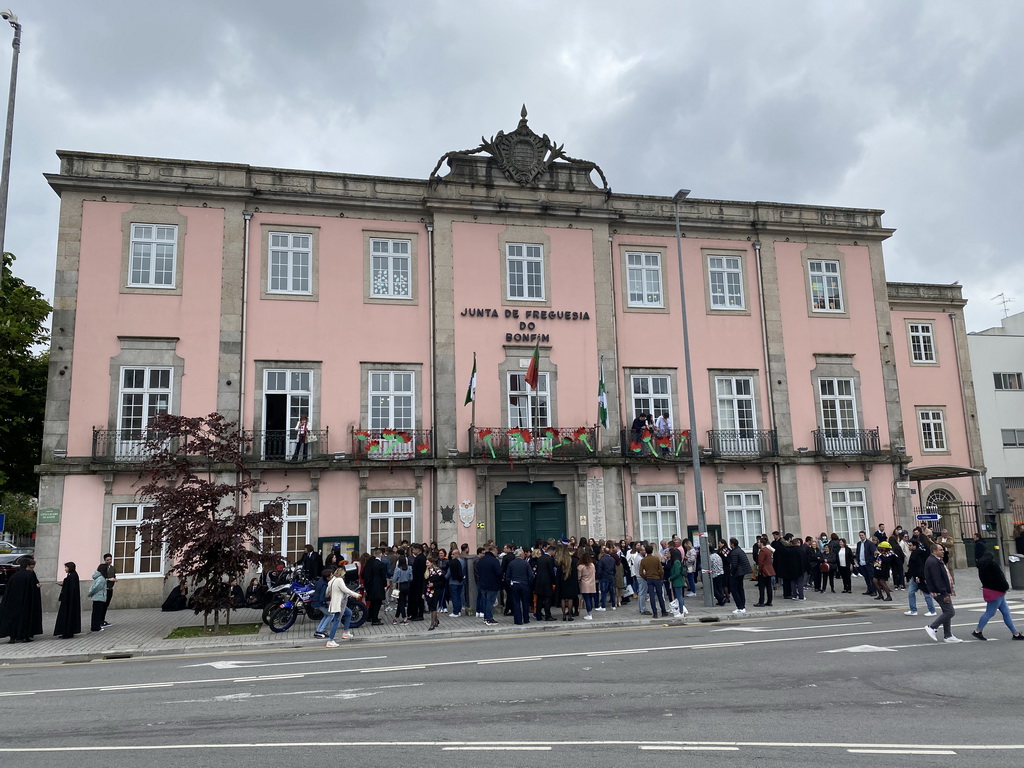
point(885, 545)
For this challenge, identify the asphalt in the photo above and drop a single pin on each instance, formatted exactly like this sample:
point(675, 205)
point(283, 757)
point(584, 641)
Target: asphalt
point(141, 632)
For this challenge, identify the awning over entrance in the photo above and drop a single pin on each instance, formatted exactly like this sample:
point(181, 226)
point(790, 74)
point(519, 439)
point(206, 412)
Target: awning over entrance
point(941, 472)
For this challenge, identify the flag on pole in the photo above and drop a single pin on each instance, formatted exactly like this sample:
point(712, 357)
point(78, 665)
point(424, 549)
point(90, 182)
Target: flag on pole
point(471, 391)
point(602, 401)
point(533, 372)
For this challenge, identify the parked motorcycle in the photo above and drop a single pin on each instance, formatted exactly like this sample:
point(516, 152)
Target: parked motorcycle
point(291, 599)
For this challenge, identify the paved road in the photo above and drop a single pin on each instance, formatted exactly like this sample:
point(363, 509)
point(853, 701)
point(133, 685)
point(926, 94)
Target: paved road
point(788, 691)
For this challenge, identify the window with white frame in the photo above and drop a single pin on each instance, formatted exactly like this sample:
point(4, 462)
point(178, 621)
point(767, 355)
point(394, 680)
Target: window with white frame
point(392, 400)
point(744, 515)
point(922, 343)
point(933, 430)
point(294, 536)
point(291, 259)
point(390, 520)
point(643, 272)
point(1009, 381)
point(848, 512)
point(838, 406)
point(826, 286)
point(525, 271)
point(528, 408)
point(390, 265)
point(1013, 438)
point(725, 280)
point(135, 551)
point(144, 393)
point(153, 253)
point(652, 394)
point(659, 516)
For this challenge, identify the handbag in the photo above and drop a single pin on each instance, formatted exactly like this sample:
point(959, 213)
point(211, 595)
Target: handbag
point(825, 567)
point(311, 437)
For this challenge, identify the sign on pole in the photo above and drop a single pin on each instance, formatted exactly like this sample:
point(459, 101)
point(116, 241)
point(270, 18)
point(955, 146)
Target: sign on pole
point(930, 516)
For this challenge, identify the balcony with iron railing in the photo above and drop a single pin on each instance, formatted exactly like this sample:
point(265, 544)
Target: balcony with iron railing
point(739, 443)
point(544, 443)
point(650, 445)
point(392, 444)
point(136, 445)
point(284, 445)
point(847, 442)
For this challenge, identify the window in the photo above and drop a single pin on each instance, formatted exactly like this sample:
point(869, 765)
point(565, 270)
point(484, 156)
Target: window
point(1013, 438)
point(922, 343)
point(744, 512)
point(725, 280)
point(391, 400)
point(294, 531)
point(525, 267)
point(291, 258)
point(390, 520)
point(153, 249)
point(736, 414)
point(659, 516)
point(145, 392)
point(135, 553)
point(849, 513)
point(390, 269)
point(1010, 381)
point(527, 408)
point(933, 430)
point(287, 396)
point(644, 279)
point(839, 416)
point(826, 289)
point(652, 394)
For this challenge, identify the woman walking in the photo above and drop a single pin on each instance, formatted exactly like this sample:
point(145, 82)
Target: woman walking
point(993, 590)
point(340, 593)
point(882, 570)
point(690, 561)
point(676, 580)
point(586, 573)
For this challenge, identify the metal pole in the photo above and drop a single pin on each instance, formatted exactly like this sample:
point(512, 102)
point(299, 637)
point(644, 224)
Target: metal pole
point(705, 545)
point(5, 173)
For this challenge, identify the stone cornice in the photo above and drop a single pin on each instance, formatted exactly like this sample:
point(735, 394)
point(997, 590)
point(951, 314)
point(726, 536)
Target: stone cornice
point(922, 295)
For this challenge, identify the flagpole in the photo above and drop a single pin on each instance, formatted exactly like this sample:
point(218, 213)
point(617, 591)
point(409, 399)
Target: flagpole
point(600, 378)
point(472, 407)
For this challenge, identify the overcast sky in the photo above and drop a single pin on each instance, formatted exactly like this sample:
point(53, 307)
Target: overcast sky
point(915, 106)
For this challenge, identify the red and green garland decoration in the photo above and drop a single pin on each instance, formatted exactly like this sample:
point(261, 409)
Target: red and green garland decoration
point(582, 435)
point(485, 435)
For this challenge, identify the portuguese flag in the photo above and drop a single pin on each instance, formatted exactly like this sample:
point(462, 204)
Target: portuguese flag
point(533, 372)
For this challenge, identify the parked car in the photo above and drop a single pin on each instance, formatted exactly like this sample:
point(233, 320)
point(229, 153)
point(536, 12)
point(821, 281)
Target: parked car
point(6, 547)
point(8, 565)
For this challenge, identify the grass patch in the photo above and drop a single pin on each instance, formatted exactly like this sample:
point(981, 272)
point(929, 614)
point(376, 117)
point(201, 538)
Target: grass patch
point(223, 631)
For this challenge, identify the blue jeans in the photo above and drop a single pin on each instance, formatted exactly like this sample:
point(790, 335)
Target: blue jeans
point(480, 600)
point(488, 597)
point(607, 589)
point(691, 582)
point(990, 611)
point(333, 620)
point(641, 593)
point(589, 600)
point(455, 589)
point(868, 572)
point(912, 590)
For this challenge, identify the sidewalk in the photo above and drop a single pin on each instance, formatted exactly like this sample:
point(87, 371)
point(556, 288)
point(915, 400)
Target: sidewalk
point(141, 631)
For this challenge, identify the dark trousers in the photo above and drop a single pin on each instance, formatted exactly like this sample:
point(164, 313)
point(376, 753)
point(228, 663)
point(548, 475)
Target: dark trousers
point(868, 572)
point(654, 588)
point(828, 580)
point(718, 584)
point(99, 611)
point(844, 574)
point(787, 588)
point(736, 588)
point(764, 589)
point(416, 601)
point(402, 610)
point(944, 619)
point(520, 594)
point(543, 607)
point(373, 609)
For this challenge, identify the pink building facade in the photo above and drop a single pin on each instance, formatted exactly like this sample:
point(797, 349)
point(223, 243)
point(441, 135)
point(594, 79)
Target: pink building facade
point(363, 304)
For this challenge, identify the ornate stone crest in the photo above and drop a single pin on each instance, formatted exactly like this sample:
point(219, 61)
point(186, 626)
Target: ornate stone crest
point(447, 514)
point(521, 155)
point(467, 511)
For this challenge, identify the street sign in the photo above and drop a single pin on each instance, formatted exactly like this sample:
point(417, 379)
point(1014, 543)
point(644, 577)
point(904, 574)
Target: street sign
point(3, 517)
point(928, 517)
point(903, 484)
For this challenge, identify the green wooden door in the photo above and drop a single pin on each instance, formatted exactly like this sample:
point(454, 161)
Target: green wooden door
point(525, 512)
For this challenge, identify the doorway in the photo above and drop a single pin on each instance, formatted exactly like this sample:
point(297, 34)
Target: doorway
point(525, 512)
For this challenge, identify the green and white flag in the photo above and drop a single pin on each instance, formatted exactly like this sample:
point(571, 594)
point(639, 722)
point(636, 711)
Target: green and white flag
point(602, 401)
point(471, 391)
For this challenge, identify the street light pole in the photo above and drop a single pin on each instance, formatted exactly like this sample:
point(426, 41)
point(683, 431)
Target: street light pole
point(5, 173)
point(702, 527)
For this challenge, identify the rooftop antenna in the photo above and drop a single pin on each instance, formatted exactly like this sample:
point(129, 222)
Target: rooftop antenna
point(1005, 301)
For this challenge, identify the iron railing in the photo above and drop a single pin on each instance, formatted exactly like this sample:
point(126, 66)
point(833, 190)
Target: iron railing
point(392, 444)
point(123, 444)
point(743, 442)
point(651, 445)
point(283, 444)
point(847, 442)
point(546, 443)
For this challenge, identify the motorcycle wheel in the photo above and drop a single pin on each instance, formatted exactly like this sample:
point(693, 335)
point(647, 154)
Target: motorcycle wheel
point(358, 613)
point(282, 619)
point(268, 609)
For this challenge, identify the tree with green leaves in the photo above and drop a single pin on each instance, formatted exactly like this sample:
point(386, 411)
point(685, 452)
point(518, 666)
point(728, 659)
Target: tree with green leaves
point(23, 371)
point(199, 490)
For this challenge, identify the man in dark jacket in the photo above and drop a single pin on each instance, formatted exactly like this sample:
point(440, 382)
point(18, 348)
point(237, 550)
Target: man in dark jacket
point(21, 612)
point(866, 561)
point(738, 567)
point(979, 548)
point(311, 562)
point(375, 581)
point(544, 586)
point(915, 579)
point(489, 580)
point(606, 579)
point(938, 582)
point(417, 584)
point(519, 578)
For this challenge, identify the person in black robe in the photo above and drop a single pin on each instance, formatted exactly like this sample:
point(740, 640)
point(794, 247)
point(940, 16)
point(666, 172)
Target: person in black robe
point(69, 613)
point(418, 583)
point(177, 600)
point(21, 612)
point(375, 582)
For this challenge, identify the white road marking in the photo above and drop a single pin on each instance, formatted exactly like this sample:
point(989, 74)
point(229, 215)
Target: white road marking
point(687, 748)
point(349, 693)
point(503, 749)
point(902, 751)
point(790, 629)
point(237, 664)
point(614, 653)
point(137, 686)
point(860, 649)
point(396, 669)
point(510, 661)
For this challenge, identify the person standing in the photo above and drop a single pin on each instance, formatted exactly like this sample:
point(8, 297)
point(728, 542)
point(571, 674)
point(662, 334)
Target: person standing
point(311, 562)
point(915, 576)
point(543, 586)
point(765, 574)
point(605, 575)
point(417, 583)
point(939, 583)
point(845, 560)
point(301, 439)
point(69, 612)
point(489, 575)
point(586, 572)
point(519, 577)
point(98, 594)
point(108, 559)
point(993, 590)
point(652, 571)
point(434, 590)
point(883, 565)
point(21, 612)
point(375, 582)
point(455, 580)
point(739, 567)
point(865, 562)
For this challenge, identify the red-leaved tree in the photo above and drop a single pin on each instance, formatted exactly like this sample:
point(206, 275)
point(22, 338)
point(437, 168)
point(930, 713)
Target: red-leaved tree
point(200, 488)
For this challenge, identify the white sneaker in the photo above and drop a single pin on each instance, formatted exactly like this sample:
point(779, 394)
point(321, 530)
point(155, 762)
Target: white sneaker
point(691, 594)
point(740, 610)
point(614, 608)
point(588, 617)
point(685, 610)
point(951, 639)
point(600, 609)
point(931, 633)
point(332, 644)
point(910, 613)
point(931, 613)
point(346, 635)
point(479, 615)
